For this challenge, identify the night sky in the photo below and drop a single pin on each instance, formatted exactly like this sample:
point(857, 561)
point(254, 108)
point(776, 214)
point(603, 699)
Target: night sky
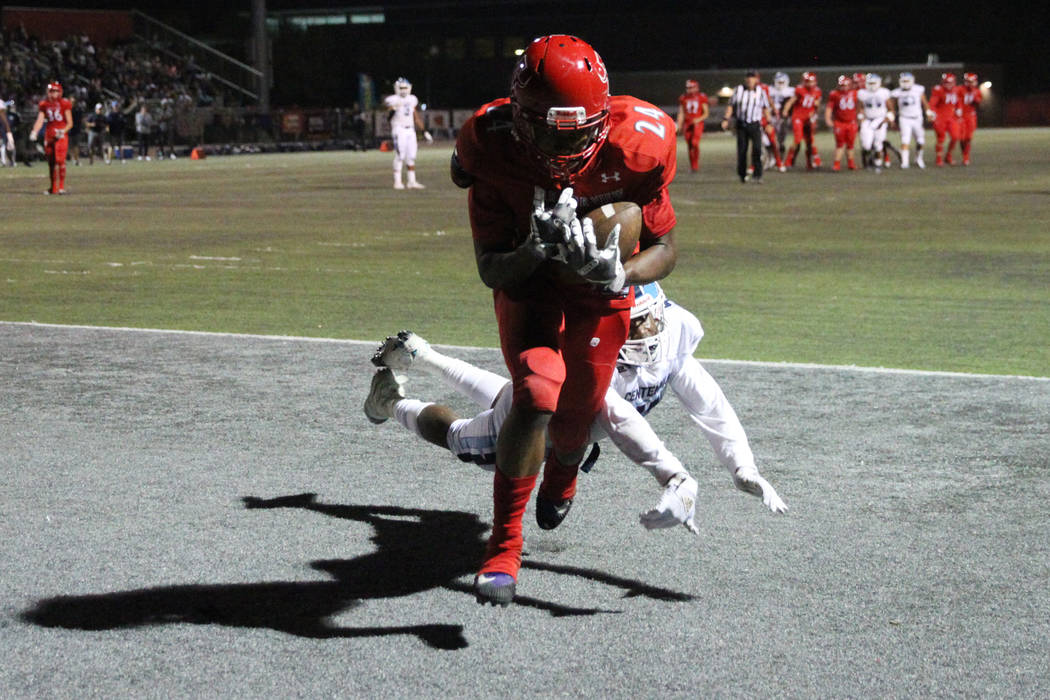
point(658, 34)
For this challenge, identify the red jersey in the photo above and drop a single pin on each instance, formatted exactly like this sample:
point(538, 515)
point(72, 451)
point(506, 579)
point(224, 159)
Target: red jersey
point(971, 98)
point(55, 116)
point(806, 101)
point(636, 163)
point(691, 105)
point(946, 102)
point(843, 105)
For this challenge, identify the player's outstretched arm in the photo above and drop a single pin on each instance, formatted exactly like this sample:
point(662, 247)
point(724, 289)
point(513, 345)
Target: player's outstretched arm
point(710, 410)
point(632, 435)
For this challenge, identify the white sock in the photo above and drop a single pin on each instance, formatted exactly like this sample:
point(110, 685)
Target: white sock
point(411, 176)
point(904, 156)
point(406, 412)
point(478, 385)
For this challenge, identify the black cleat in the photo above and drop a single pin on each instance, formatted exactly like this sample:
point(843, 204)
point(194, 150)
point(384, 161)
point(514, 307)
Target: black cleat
point(549, 514)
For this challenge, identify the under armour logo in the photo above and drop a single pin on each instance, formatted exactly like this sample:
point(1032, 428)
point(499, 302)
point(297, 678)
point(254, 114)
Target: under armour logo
point(615, 177)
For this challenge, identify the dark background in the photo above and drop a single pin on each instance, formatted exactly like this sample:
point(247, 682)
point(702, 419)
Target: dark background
point(461, 53)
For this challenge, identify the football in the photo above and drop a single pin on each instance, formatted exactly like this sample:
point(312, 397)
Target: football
point(628, 215)
point(605, 217)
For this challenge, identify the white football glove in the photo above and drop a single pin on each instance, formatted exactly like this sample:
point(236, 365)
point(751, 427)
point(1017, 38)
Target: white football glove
point(32, 136)
point(931, 115)
point(427, 136)
point(546, 239)
point(677, 506)
point(748, 480)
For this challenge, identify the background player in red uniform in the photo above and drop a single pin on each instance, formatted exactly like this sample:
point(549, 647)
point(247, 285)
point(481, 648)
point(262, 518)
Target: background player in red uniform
point(971, 99)
point(56, 112)
point(945, 105)
point(559, 131)
point(840, 115)
point(803, 108)
point(692, 111)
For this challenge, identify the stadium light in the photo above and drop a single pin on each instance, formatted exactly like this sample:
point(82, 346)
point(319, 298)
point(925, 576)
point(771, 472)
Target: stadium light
point(518, 52)
point(726, 91)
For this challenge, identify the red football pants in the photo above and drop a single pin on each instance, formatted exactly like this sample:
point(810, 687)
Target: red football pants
point(561, 353)
point(56, 152)
point(694, 131)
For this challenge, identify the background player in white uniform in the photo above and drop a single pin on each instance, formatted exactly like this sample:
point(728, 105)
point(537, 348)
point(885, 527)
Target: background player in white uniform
point(7, 137)
point(875, 118)
point(781, 92)
point(658, 355)
point(404, 120)
point(909, 102)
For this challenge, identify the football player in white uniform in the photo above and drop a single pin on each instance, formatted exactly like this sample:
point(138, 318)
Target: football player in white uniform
point(875, 118)
point(657, 355)
point(404, 120)
point(910, 104)
point(7, 137)
point(781, 92)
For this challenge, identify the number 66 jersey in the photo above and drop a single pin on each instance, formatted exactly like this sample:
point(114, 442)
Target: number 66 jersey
point(635, 163)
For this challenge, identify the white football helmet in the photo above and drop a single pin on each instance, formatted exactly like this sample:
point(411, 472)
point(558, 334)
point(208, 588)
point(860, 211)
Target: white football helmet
point(647, 340)
point(781, 80)
point(906, 81)
point(873, 81)
point(402, 87)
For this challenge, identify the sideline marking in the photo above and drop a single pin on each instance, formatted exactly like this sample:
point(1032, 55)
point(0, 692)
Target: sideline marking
point(347, 341)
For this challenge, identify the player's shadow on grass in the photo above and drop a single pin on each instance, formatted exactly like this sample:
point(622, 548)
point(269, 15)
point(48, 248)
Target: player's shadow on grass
point(417, 550)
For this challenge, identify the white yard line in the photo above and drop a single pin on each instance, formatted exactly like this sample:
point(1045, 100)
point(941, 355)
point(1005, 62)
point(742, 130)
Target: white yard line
point(344, 341)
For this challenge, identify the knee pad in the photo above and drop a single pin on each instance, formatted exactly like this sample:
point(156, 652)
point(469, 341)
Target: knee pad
point(538, 379)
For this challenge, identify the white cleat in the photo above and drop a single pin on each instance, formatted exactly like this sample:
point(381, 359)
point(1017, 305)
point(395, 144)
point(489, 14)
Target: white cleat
point(416, 186)
point(399, 186)
point(385, 392)
point(919, 162)
point(748, 480)
point(904, 165)
point(677, 506)
point(400, 351)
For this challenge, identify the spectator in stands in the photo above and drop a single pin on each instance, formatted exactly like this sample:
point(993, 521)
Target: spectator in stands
point(144, 131)
point(117, 123)
point(97, 129)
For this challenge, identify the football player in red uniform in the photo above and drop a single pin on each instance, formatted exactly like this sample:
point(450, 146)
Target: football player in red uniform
point(692, 111)
point(840, 115)
point(971, 99)
point(946, 113)
point(802, 107)
point(557, 143)
point(56, 112)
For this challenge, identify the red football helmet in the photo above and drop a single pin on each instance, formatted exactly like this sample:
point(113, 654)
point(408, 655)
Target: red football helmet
point(692, 86)
point(809, 78)
point(559, 92)
point(845, 82)
point(55, 85)
point(948, 80)
point(859, 79)
point(971, 79)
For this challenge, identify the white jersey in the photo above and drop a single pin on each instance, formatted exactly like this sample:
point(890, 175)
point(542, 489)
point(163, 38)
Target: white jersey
point(780, 96)
point(909, 101)
point(403, 108)
point(873, 102)
point(633, 392)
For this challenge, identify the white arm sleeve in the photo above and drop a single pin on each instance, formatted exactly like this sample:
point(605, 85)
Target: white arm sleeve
point(709, 408)
point(632, 434)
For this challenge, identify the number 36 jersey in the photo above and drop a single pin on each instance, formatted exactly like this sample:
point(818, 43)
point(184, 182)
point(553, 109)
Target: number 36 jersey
point(636, 163)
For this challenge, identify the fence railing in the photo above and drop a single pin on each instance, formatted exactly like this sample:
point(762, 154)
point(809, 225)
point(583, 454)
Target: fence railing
point(227, 70)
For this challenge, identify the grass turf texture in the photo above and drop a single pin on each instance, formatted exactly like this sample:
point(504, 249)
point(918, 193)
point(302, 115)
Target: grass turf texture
point(944, 269)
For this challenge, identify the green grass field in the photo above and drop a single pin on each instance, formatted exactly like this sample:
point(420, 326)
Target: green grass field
point(942, 269)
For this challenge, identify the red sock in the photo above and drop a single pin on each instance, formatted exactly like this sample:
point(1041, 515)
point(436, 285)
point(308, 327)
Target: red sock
point(559, 480)
point(62, 175)
point(509, 498)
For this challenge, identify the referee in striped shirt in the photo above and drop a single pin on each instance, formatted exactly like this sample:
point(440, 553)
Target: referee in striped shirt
point(749, 104)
